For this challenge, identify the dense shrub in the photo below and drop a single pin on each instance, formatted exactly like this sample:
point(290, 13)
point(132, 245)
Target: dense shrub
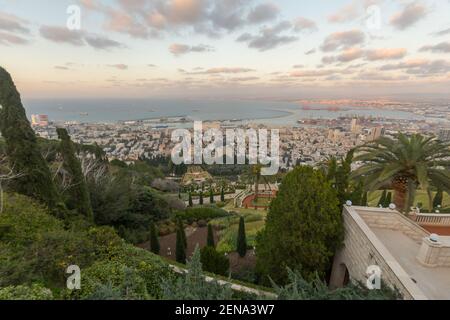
point(22, 224)
point(193, 286)
point(148, 266)
point(221, 204)
point(246, 274)
point(213, 261)
point(128, 273)
point(35, 292)
point(166, 227)
point(23, 219)
point(300, 289)
point(201, 213)
point(116, 274)
point(174, 203)
point(36, 248)
point(165, 185)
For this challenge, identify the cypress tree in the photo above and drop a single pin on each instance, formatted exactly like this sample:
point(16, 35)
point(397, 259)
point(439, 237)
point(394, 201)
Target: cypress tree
point(332, 170)
point(154, 241)
point(201, 198)
point(191, 203)
point(307, 203)
point(210, 240)
point(242, 239)
point(388, 200)
point(342, 180)
point(79, 192)
point(437, 201)
point(382, 199)
point(180, 253)
point(183, 232)
point(364, 200)
point(357, 195)
point(23, 151)
point(211, 195)
point(222, 195)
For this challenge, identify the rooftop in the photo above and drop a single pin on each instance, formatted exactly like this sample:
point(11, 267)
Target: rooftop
point(406, 247)
point(433, 281)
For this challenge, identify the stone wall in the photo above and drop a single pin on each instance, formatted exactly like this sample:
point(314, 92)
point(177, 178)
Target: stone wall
point(392, 220)
point(363, 249)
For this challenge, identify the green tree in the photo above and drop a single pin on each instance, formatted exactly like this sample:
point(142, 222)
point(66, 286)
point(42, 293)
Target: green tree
point(180, 252)
point(222, 195)
point(23, 151)
point(342, 180)
point(79, 193)
point(382, 200)
point(241, 244)
point(388, 200)
point(183, 232)
point(213, 261)
point(437, 201)
point(364, 201)
point(303, 229)
point(357, 194)
point(211, 195)
point(154, 241)
point(201, 198)
point(405, 163)
point(210, 240)
point(191, 203)
point(331, 169)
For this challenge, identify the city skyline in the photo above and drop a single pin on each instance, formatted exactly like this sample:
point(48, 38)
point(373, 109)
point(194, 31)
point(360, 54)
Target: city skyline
point(204, 48)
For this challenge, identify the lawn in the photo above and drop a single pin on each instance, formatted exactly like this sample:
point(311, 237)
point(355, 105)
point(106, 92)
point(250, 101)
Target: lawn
point(262, 202)
point(421, 197)
point(254, 222)
point(228, 236)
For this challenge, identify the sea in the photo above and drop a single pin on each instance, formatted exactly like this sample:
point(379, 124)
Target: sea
point(263, 112)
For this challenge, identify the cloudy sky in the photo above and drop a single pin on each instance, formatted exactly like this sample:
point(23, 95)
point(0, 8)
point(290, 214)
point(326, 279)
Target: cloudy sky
point(215, 48)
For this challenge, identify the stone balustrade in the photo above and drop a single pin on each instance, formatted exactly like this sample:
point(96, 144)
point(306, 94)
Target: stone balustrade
point(431, 219)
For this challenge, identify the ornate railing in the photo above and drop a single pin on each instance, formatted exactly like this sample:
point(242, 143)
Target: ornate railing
point(432, 219)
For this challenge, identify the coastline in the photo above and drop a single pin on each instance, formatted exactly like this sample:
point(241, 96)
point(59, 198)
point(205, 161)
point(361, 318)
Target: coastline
point(278, 113)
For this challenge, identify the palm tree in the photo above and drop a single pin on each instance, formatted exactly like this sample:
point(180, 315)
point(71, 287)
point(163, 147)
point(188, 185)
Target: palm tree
point(404, 163)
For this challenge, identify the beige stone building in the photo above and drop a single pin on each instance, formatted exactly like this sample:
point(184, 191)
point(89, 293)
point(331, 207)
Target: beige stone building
point(408, 257)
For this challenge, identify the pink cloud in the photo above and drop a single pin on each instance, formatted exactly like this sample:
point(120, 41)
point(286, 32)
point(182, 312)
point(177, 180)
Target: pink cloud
point(386, 54)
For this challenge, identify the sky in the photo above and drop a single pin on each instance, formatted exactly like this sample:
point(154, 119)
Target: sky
point(284, 49)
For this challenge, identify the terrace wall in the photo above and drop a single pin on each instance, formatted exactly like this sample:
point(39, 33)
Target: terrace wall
point(363, 249)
